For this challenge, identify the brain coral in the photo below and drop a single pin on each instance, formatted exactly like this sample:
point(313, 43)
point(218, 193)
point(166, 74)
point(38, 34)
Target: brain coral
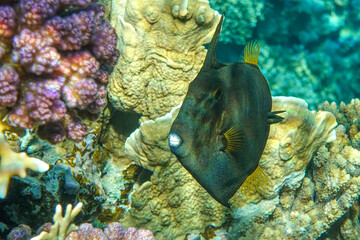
point(161, 52)
point(55, 56)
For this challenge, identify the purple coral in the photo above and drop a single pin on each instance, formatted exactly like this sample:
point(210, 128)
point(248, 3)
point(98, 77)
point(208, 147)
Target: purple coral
point(44, 101)
point(35, 12)
point(114, 231)
point(104, 44)
point(9, 84)
point(7, 22)
point(75, 129)
point(61, 63)
point(32, 51)
point(81, 93)
point(21, 232)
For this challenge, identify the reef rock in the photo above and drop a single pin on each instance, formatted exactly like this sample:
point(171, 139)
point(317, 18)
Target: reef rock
point(172, 204)
point(161, 45)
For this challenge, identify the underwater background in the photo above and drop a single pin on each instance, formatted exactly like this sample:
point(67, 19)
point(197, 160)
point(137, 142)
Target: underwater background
point(90, 89)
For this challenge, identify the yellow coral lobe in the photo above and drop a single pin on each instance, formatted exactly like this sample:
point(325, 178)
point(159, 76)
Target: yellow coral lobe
point(251, 52)
point(255, 181)
point(234, 139)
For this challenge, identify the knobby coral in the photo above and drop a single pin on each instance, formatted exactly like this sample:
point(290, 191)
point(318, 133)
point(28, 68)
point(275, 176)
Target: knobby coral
point(172, 198)
point(114, 231)
point(161, 44)
point(55, 56)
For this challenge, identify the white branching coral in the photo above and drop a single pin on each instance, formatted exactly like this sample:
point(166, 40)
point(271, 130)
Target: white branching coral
point(15, 164)
point(62, 225)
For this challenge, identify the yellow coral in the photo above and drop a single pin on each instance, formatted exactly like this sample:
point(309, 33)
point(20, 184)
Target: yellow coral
point(15, 164)
point(62, 225)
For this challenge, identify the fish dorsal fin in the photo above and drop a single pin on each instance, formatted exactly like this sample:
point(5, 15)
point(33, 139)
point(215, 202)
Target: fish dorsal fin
point(251, 52)
point(234, 138)
point(210, 60)
point(255, 181)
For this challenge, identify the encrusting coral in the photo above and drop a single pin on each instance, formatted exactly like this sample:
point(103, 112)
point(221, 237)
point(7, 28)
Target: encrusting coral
point(161, 45)
point(55, 56)
point(15, 164)
point(323, 204)
point(172, 198)
point(62, 226)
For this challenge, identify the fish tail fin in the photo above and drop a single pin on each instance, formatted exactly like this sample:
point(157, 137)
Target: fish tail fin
point(234, 138)
point(251, 52)
point(256, 181)
point(273, 118)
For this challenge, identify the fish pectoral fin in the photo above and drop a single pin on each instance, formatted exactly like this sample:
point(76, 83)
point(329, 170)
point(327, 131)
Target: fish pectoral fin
point(256, 181)
point(273, 118)
point(234, 139)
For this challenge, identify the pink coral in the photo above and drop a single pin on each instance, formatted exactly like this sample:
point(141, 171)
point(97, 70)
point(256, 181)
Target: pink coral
point(114, 231)
point(61, 63)
point(35, 12)
point(9, 84)
point(44, 101)
point(7, 22)
point(75, 129)
point(33, 52)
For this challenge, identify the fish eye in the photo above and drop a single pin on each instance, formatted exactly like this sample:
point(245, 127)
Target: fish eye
point(174, 140)
point(218, 94)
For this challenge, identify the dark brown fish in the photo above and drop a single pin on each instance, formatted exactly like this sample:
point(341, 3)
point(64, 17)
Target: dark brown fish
point(223, 124)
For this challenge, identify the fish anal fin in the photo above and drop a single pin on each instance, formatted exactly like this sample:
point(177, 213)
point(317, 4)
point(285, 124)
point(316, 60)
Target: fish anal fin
point(256, 181)
point(273, 118)
point(234, 139)
point(251, 52)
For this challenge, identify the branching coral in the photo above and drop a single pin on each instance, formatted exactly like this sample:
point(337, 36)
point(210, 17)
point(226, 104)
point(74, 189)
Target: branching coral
point(54, 64)
point(15, 164)
point(347, 115)
point(62, 225)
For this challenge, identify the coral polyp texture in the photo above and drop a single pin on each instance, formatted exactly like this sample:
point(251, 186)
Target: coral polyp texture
point(114, 231)
point(161, 44)
point(55, 57)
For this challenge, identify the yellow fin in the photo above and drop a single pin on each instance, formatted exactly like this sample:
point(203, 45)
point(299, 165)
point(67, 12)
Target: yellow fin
point(255, 181)
point(234, 139)
point(251, 52)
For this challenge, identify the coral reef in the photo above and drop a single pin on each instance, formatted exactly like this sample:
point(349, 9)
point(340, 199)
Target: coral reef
point(347, 115)
point(243, 17)
point(172, 195)
point(161, 52)
point(324, 203)
point(290, 146)
point(305, 59)
point(114, 231)
point(62, 226)
point(55, 56)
